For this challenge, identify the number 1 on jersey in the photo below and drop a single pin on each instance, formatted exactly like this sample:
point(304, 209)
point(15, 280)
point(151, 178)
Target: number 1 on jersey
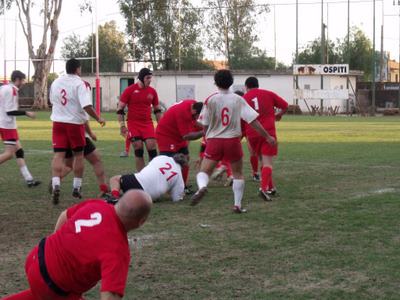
point(255, 101)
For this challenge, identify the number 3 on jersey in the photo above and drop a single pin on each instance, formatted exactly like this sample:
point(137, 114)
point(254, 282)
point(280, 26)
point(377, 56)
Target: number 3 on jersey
point(164, 170)
point(63, 97)
point(95, 219)
point(225, 116)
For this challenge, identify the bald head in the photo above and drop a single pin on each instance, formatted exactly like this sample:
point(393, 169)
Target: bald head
point(133, 208)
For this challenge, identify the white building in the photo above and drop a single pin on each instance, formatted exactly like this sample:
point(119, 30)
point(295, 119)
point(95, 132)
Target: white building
point(174, 86)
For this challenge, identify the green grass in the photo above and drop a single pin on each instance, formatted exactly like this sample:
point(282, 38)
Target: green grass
point(332, 234)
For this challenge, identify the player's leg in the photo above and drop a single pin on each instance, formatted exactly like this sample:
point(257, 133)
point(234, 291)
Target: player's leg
point(68, 163)
point(203, 178)
point(151, 146)
point(238, 185)
point(266, 176)
point(57, 166)
point(10, 138)
point(20, 157)
point(95, 160)
point(254, 159)
point(8, 152)
point(78, 168)
point(128, 143)
point(139, 153)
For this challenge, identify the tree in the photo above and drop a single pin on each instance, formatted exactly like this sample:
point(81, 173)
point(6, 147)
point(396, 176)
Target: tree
point(164, 32)
point(312, 53)
point(359, 53)
point(112, 48)
point(42, 58)
point(231, 32)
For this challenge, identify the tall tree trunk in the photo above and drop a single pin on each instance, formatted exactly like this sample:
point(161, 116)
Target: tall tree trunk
point(42, 69)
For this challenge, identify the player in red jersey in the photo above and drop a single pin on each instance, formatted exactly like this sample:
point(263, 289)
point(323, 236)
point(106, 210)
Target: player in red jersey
point(221, 116)
point(89, 244)
point(140, 98)
point(264, 102)
point(176, 128)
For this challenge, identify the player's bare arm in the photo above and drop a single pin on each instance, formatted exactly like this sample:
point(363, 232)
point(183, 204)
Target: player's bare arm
point(61, 220)
point(121, 118)
point(91, 112)
point(258, 127)
point(109, 296)
point(157, 112)
point(279, 114)
point(193, 135)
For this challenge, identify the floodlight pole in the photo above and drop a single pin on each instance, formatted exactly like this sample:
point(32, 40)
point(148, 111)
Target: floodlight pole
point(373, 64)
point(4, 42)
point(297, 46)
point(322, 49)
point(98, 110)
point(348, 51)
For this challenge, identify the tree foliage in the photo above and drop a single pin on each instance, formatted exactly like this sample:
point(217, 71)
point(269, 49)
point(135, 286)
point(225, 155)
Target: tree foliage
point(358, 54)
point(231, 33)
point(164, 32)
point(112, 49)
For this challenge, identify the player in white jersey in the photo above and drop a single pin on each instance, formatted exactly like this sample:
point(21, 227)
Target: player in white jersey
point(8, 125)
point(221, 116)
point(162, 175)
point(71, 99)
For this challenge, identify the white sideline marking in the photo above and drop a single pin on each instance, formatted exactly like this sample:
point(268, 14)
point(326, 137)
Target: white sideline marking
point(375, 192)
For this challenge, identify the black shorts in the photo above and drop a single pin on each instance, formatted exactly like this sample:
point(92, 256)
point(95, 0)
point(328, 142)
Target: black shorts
point(183, 150)
point(129, 182)
point(89, 148)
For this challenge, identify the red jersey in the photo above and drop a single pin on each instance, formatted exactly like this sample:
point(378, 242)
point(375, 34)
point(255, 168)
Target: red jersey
point(139, 101)
point(92, 245)
point(176, 122)
point(264, 102)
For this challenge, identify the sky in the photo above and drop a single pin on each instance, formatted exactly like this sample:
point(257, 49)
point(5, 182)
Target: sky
point(281, 19)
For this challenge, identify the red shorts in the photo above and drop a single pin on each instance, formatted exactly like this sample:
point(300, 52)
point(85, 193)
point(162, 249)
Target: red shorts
point(167, 145)
point(9, 136)
point(38, 287)
point(224, 149)
point(68, 136)
point(261, 147)
point(140, 131)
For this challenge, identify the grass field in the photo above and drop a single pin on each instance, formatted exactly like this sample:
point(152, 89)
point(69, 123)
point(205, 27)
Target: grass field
point(332, 234)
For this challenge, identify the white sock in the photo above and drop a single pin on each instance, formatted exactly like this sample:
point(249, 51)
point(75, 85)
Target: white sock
point(55, 181)
point(77, 182)
point(238, 190)
point(202, 180)
point(25, 172)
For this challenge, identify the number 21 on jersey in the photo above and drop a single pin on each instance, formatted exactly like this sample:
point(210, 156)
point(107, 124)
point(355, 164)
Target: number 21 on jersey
point(164, 170)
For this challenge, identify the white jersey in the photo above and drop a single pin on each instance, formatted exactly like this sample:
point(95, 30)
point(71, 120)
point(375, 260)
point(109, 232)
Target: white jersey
point(160, 176)
point(69, 94)
point(222, 113)
point(8, 102)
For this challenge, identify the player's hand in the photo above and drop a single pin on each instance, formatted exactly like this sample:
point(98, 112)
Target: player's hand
point(271, 140)
point(102, 122)
point(31, 114)
point(93, 136)
point(278, 117)
point(124, 131)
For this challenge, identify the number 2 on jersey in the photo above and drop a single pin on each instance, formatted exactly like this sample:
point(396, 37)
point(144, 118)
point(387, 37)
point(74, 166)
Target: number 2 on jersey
point(95, 219)
point(63, 97)
point(225, 116)
point(164, 170)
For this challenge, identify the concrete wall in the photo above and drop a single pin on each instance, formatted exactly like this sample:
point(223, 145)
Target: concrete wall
point(173, 87)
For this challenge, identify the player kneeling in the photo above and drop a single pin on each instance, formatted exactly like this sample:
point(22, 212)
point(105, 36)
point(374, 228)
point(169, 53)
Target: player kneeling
point(162, 175)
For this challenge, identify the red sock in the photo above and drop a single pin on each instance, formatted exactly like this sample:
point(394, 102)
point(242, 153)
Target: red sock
point(266, 173)
point(115, 193)
point(103, 188)
point(185, 173)
point(270, 183)
point(127, 145)
point(254, 163)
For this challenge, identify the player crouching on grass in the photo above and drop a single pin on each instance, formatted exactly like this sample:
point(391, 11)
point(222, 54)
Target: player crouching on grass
point(162, 175)
point(221, 116)
point(8, 125)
